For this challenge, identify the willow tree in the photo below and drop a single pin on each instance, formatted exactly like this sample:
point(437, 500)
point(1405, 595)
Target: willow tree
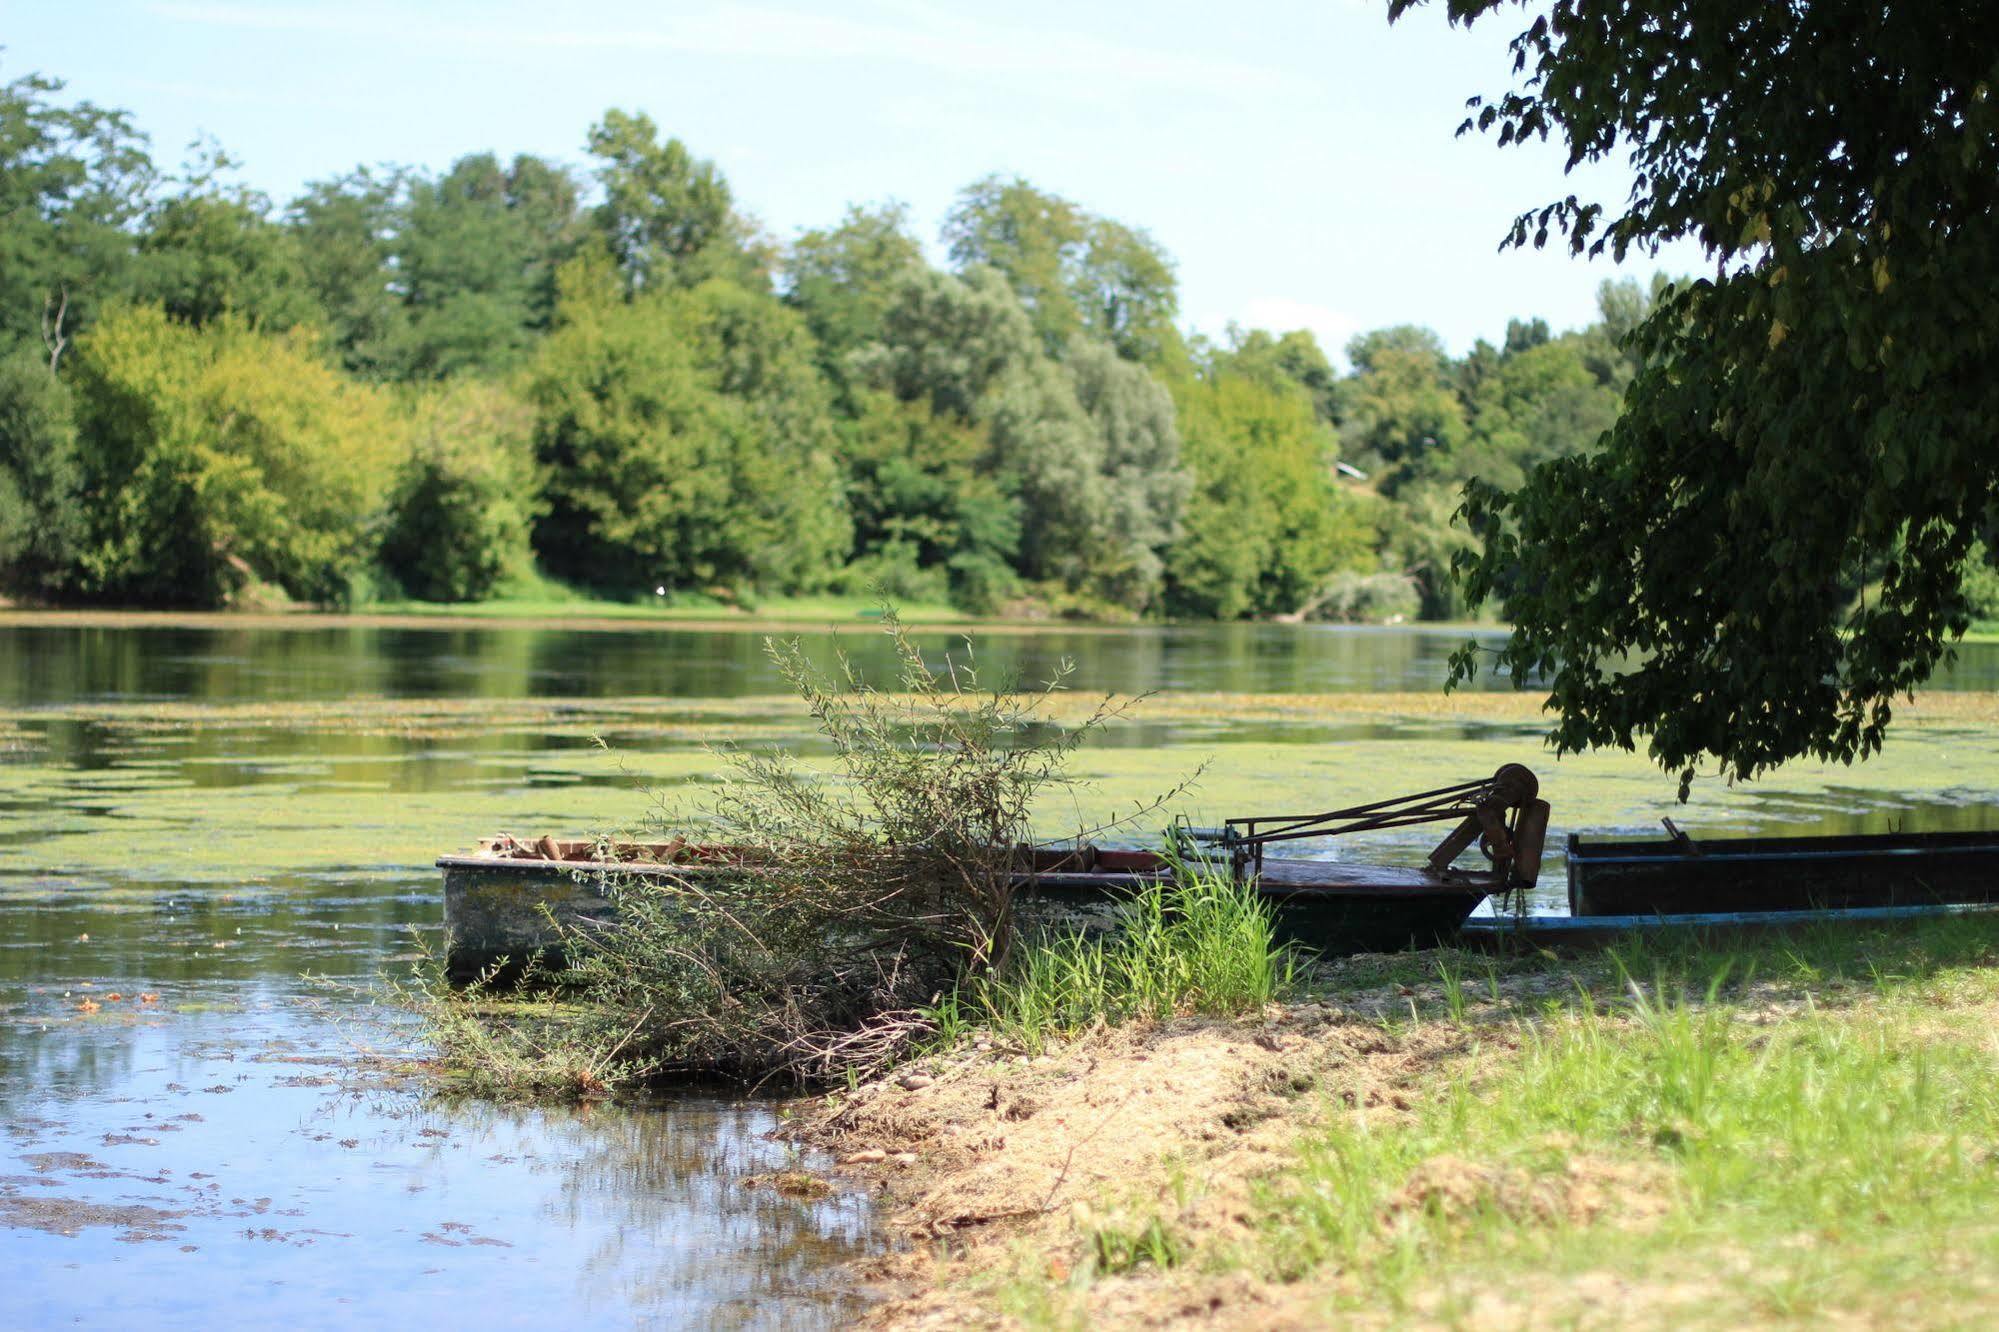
point(1765, 553)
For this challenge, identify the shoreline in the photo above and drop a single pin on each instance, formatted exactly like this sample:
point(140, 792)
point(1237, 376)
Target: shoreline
point(1189, 1173)
point(641, 620)
point(588, 621)
point(502, 615)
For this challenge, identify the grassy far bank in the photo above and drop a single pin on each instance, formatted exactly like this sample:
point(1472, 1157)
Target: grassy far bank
point(551, 605)
point(772, 610)
point(556, 605)
point(1677, 1132)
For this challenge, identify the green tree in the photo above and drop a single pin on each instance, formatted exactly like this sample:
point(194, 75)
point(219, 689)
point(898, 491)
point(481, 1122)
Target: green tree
point(1622, 307)
point(928, 521)
point(667, 215)
point(1028, 237)
point(1820, 407)
point(73, 179)
point(1088, 448)
point(1128, 291)
point(655, 474)
point(1140, 484)
point(216, 457)
point(947, 340)
point(1265, 522)
point(346, 228)
point(214, 250)
point(1538, 404)
point(760, 355)
point(40, 504)
point(1073, 272)
point(462, 510)
point(843, 279)
point(1291, 358)
point(475, 260)
point(1398, 411)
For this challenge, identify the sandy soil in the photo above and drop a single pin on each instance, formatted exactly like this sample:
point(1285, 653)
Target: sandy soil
point(999, 1170)
point(981, 1157)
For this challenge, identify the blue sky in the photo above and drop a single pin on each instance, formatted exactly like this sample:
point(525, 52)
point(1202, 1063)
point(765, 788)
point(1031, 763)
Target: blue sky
point(1297, 159)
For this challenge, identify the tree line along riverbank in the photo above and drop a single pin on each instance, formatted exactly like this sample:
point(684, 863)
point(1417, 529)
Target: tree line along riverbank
point(531, 380)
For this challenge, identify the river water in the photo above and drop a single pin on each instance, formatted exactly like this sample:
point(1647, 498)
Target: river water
point(193, 819)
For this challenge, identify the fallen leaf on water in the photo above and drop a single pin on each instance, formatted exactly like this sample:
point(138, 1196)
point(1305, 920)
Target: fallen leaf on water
point(149, 998)
point(83, 938)
point(113, 997)
point(89, 1006)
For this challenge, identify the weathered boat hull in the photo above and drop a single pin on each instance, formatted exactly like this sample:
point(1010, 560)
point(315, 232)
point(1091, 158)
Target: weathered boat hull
point(1681, 877)
point(510, 908)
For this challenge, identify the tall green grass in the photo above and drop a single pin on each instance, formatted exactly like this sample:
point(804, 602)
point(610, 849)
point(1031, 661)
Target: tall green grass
point(1202, 944)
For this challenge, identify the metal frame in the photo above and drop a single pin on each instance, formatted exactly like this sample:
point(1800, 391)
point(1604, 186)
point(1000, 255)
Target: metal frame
point(1482, 808)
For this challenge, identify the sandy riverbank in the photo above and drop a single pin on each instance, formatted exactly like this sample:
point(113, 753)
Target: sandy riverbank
point(1430, 1140)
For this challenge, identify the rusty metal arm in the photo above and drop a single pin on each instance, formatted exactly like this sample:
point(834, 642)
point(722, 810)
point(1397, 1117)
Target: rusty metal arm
point(1499, 812)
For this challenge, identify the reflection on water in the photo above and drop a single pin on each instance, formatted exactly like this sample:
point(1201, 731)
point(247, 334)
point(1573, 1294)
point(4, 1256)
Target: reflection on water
point(65, 664)
point(182, 1142)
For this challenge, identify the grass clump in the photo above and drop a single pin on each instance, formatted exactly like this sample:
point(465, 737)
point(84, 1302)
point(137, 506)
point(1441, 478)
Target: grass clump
point(1201, 944)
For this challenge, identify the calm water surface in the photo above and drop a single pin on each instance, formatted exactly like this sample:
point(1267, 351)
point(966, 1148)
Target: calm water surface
point(74, 664)
point(191, 1134)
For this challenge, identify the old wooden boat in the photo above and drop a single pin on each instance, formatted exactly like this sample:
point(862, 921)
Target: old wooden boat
point(510, 897)
point(1682, 875)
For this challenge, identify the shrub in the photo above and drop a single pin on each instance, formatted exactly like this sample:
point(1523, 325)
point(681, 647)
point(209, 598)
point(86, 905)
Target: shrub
point(892, 570)
point(865, 889)
point(1375, 598)
point(461, 513)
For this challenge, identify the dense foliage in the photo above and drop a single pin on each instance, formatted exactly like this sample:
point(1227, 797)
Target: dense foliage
point(1774, 542)
point(445, 385)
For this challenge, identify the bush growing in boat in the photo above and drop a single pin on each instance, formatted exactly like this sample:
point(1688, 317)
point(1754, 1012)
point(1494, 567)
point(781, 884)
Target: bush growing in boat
point(868, 884)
